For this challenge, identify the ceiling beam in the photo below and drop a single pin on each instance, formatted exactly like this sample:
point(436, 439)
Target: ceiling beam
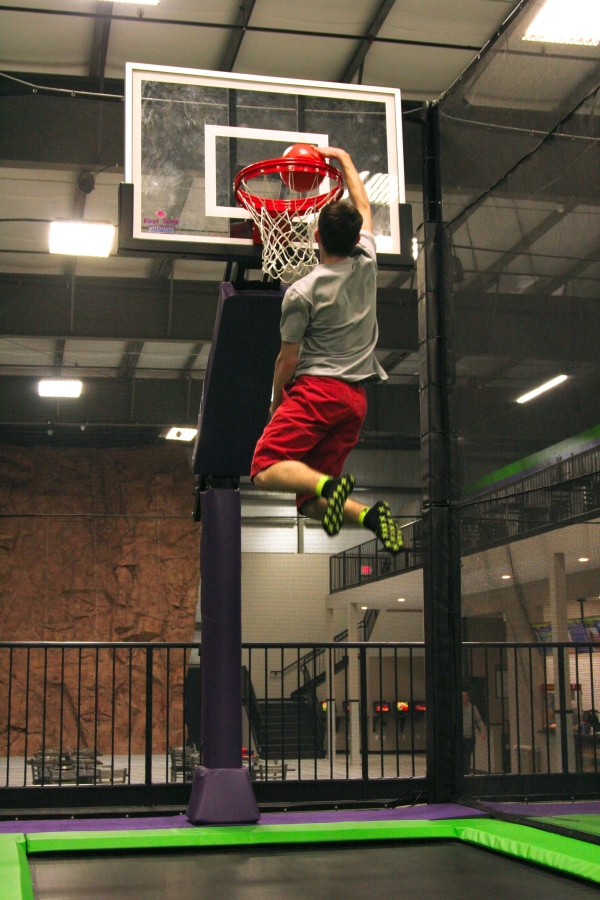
point(59, 353)
point(191, 360)
point(358, 59)
point(140, 309)
point(393, 358)
point(161, 269)
point(100, 41)
point(393, 410)
point(130, 358)
point(489, 276)
point(496, 373)
point(542, 286)
point(237, 35)
point(103, 401)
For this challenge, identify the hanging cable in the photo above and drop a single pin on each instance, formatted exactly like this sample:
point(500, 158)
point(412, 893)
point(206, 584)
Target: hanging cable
point(72, 93)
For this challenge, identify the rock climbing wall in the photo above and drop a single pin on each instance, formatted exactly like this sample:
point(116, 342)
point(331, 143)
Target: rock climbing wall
point(95, 545)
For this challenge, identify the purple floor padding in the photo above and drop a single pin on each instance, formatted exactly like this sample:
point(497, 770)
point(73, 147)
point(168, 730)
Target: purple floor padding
point(578, 808)
point(435, 811)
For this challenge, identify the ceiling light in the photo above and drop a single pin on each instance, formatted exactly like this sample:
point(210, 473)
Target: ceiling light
point(566, 22)
point(62, 387)
point(181, 434)
point(543, 387)
point(81, 238)
point(401, 599)
point(584, 559)
point(364, 607)
point(506, 577)
point(137, 2)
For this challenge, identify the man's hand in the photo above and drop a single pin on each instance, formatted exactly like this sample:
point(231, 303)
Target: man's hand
point(356, 188)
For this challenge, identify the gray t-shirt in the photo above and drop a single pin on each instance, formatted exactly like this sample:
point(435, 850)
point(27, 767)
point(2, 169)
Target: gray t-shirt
point(331, 312)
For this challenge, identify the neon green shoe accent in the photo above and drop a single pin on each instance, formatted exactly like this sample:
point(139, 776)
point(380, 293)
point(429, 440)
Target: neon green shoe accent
point(389, 532)
point(381, 522)
point(362, 514)
point(334, 514)
point(321, 484)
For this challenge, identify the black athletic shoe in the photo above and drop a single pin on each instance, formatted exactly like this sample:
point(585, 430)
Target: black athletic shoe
point(380, 521)
point(336, 491)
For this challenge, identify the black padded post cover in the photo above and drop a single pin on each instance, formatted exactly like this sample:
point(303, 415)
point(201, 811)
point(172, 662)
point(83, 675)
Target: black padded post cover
point(238, 382)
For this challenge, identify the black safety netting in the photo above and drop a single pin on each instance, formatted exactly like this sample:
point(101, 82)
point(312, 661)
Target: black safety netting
point(520, 166)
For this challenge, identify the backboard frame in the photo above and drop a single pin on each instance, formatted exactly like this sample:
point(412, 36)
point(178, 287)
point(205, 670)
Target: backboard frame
point(133, 240)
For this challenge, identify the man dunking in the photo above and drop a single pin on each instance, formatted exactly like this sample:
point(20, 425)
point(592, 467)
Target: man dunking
point(328, 338)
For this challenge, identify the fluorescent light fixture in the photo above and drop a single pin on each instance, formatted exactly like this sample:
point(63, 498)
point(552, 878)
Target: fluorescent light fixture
point(415, 248)
point(505, 577)
point(364, 607)
point(543, 387)
point(401, 599)
point(181, 434)
point(60, 387)
point(137, 2)
point(380, 187)
point(566, 22)
point(81, 238)
point(584, 559)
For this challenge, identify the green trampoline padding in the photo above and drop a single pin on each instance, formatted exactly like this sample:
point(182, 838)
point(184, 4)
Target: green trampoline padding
point(14, 868)
point(563, 854)
point(240, 836)
point(588, 824)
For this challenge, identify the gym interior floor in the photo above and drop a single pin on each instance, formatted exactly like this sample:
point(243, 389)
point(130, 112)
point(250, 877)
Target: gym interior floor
point(443, 851)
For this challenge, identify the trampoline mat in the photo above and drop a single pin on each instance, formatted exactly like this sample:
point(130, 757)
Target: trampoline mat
point(446, 870)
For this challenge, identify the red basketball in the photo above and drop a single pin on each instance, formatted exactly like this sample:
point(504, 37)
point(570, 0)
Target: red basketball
point(302, 182)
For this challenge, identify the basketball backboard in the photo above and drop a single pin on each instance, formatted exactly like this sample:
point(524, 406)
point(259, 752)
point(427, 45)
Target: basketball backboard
point(188, 132)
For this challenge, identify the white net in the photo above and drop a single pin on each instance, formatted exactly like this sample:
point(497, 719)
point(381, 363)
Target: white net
point(284, 198)
point(288, 241)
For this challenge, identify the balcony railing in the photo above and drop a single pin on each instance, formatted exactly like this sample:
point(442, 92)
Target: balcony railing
point(370, 562)
point(484, 524)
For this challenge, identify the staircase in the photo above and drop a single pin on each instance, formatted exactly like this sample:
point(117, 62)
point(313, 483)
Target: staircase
point(289, 729)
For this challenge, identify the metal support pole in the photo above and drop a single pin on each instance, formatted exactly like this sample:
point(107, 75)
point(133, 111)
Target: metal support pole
point(441, 550)
point(148, 747)
point(562, 713)
point(364, 714)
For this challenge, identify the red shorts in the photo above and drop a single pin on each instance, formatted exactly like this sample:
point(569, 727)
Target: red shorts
point(318, 423)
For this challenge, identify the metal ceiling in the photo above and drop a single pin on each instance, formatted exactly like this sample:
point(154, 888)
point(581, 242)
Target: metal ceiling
point(139, 330)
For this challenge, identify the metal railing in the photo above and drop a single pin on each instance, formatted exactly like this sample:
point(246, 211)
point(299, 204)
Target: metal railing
point(530, 711)
point(484, 524)
point(370, 562)
point(499, 520)
point(123, 718)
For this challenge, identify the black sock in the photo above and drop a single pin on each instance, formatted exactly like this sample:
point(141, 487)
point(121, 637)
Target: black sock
point(329, 487)
point(371, 520)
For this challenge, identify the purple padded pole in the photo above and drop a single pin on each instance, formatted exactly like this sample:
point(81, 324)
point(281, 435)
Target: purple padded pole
point(222, 791)
point(221, 606)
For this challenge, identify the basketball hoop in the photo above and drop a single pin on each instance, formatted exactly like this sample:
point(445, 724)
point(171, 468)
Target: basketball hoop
point(286, 225)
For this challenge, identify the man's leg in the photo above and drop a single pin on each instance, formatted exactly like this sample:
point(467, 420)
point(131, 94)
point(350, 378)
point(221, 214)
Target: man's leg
point(299, 478)
point(329, 455)
point(289, 476)
point(315, 509)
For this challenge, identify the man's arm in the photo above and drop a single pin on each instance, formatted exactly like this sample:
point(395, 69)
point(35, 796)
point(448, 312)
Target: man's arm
point(285, 367)
point(356, 188)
